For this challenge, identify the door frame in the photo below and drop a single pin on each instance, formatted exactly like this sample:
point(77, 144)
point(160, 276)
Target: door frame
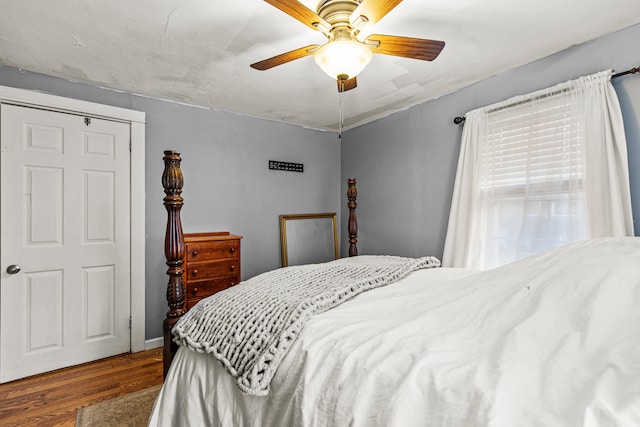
point(136, 119)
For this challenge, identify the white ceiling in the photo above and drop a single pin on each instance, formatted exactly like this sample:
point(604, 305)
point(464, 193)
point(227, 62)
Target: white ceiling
point(199, 51)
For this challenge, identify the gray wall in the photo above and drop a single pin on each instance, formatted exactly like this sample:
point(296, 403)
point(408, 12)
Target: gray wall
point(228, 186)
point(405, 164)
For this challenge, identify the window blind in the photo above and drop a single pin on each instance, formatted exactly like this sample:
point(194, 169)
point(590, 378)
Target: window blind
point(533, 143)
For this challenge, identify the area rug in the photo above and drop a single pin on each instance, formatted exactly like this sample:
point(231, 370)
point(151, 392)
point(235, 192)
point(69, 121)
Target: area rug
point(130, 410)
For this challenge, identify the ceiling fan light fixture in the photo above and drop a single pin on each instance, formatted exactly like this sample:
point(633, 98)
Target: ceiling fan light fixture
point(343, 57)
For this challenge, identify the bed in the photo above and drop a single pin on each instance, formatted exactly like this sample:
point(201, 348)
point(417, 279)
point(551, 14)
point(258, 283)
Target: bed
point(550, 340)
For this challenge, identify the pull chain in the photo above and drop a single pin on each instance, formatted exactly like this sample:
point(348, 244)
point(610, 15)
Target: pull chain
point(341, 112)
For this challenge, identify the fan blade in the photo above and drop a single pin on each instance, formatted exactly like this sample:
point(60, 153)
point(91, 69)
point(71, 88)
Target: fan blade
point(298, 11)
point(373, 11)
point(408, 47)
point(345, 85)
point(285, 57)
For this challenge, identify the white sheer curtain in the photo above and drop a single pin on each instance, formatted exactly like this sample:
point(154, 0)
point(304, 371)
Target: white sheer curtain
point(538, 171)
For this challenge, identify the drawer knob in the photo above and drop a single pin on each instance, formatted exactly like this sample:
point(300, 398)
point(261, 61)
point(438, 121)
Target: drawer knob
point(194, 253)
point(232, 268)
point(194, 272)
point(195, 291)
point(233, 250)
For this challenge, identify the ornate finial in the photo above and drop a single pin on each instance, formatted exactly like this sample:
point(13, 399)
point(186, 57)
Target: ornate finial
point(352, 193)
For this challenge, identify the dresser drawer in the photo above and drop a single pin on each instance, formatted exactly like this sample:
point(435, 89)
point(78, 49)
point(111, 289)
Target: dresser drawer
point(210, 269)
point(197, 251)
point(204, 288)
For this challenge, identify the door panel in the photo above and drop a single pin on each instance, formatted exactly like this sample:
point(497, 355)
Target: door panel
point(43, 205)
point(43, 310)
point(99, 289)
point(99, 203)
point(65, 221)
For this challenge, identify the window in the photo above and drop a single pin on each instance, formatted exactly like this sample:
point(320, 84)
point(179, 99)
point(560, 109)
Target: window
point(530, 175)
point(531, 180)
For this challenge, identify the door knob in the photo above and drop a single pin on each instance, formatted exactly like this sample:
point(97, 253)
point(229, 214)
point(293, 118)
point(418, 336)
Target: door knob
point(13, 269)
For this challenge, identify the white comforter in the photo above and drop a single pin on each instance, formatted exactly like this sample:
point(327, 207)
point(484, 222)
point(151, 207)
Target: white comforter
point(553, 340)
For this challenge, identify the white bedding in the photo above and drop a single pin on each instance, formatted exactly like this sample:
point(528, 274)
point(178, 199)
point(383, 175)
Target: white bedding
point(553, 340)
point(249, 327)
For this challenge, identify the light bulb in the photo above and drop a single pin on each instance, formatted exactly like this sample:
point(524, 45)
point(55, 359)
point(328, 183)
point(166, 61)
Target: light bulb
point(343, 58)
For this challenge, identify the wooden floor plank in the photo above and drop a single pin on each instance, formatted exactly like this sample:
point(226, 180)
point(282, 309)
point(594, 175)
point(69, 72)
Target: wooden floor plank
point(53, 399)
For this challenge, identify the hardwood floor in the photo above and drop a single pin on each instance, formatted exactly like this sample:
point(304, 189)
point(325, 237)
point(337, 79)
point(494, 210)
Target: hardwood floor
point(52, 399)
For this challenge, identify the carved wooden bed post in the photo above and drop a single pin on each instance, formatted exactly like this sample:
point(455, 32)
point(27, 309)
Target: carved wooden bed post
point(172, 182)
point(352, 193)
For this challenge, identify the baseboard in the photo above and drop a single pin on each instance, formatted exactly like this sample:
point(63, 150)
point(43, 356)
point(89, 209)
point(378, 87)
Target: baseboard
point(153, 343)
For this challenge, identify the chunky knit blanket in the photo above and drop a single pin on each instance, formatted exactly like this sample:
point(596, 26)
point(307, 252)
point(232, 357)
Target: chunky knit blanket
point(250, 327)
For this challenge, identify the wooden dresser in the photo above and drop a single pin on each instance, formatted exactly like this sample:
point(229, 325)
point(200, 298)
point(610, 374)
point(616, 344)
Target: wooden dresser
point(212, 263)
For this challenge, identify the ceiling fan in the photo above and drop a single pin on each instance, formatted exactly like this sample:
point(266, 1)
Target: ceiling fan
point(347, 52)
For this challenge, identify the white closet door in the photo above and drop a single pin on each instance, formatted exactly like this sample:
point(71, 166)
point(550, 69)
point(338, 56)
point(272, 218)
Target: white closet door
point(65, 207)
